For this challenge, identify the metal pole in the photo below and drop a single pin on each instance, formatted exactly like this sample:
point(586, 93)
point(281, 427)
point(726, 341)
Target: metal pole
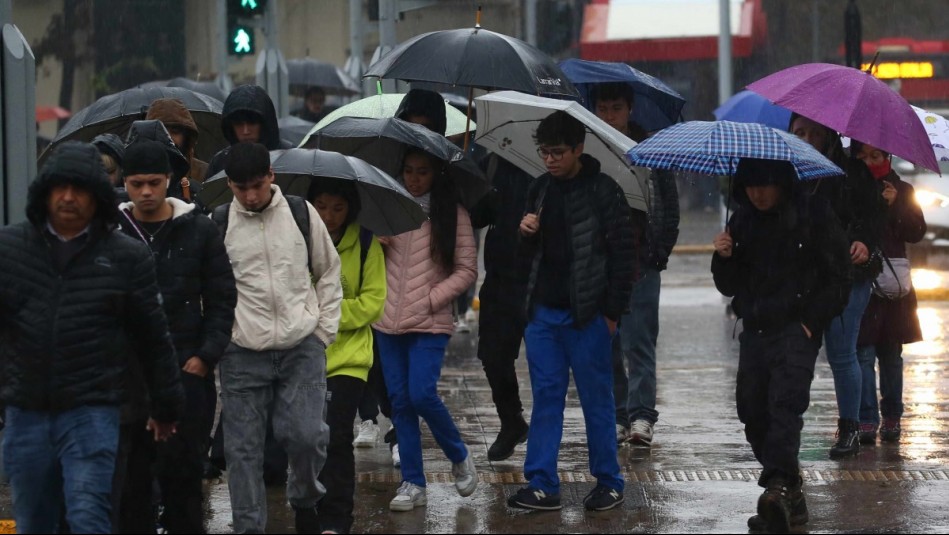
point(815, 31)
point(223, 79)
point(724, 51)
point(530, 21)
point(388, 11)
point(356, 46)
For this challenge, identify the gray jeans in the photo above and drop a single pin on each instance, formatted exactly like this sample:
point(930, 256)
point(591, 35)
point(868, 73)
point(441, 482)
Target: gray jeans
point(293, 382)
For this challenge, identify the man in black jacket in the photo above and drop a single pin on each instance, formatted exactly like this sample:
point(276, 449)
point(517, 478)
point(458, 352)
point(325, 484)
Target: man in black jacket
point(248, 115)
point(76, 299)
point(199, 294)
point(578, 235)
point(783, 257)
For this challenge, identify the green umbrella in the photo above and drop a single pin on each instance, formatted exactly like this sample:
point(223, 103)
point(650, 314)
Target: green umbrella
point(385, 105)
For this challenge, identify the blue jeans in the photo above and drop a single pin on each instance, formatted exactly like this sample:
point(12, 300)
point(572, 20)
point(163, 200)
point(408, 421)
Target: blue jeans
point(412, 364)
point(51, 457)
point(554, 348)
point(840, 344)
point(891, 383)
point(639, 331)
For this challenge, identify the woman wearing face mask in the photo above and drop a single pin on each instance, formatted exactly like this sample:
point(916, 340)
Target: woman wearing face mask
point(857, 201)
point(426, 270)
point(888, 323)
point(350, 357)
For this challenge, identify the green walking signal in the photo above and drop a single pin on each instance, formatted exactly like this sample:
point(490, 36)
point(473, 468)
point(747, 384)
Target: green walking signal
point(240, 26)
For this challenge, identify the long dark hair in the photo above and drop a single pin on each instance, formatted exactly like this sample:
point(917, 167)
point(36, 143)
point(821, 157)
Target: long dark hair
point(443, 213)
point(340, 188)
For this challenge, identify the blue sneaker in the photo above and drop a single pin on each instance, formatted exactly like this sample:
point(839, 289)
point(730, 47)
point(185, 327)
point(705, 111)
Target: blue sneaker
point(602, 498)
point(531, 498)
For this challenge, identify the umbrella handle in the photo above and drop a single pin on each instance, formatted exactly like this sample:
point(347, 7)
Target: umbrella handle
point(186, 191)
point(468, 118)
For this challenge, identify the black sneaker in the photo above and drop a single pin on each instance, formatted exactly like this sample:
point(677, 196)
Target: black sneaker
point(510, 436)
point(774, 506)
point(848, 439)
point(602, 498)
point(531, 498)
point(306, 520)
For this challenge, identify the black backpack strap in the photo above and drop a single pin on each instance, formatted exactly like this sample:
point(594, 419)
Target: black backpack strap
point(301, 214)
point(365, 242)
point(220, 218)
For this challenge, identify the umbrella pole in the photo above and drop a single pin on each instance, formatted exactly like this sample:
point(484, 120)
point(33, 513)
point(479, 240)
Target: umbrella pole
point(468, 119)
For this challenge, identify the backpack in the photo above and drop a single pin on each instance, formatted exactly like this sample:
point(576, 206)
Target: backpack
point(301, 214)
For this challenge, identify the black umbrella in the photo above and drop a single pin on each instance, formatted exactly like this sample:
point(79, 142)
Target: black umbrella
point(384, 142)
point(294, 129)
point(475, 58)
point(115, 114)
point(210, 89)
point(387, 209)
point(308, 72)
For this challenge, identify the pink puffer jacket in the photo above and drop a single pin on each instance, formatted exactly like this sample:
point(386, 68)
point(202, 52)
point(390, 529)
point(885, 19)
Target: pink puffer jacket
point(420, 292)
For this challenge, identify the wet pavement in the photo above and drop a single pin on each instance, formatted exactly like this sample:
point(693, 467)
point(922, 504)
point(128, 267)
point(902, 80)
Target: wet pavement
point(700, 475)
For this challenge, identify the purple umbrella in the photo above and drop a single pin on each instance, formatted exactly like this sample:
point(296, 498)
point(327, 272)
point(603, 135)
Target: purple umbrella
point(853, 103)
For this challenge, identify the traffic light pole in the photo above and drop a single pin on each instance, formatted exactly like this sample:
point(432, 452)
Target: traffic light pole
point(223, 63)
point(271, 69)
point(17, 118)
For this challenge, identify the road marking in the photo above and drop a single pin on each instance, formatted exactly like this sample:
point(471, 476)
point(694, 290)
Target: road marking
point(670, 476)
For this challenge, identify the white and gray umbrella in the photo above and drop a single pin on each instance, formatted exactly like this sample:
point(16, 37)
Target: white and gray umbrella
point(507, 121)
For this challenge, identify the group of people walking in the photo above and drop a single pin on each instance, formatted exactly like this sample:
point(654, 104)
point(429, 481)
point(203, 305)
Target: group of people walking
point(116, 315)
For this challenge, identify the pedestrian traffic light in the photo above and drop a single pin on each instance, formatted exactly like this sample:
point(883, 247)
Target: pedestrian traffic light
point(240, 28)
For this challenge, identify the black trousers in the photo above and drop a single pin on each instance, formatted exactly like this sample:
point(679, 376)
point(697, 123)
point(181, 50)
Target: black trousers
point(775, 370)
point(177, 465)
point(375, 396)
point(133, 507)
point(501, 329)
point(335, 509)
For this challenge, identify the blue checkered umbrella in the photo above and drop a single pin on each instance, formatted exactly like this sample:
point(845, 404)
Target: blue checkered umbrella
point(714, 148)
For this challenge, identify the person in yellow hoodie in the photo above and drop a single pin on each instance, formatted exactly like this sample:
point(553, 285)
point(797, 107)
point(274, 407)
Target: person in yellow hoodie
point(349, 358)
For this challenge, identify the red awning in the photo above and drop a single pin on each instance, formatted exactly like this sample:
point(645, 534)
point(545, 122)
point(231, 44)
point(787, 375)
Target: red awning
point(664, 30)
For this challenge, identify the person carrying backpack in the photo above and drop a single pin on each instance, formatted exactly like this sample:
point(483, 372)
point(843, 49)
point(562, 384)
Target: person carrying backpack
point(350, 357)
point(288, 310)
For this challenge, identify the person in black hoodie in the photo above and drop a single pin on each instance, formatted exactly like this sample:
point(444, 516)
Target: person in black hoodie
point(76, 299)
point(857, 200)
point(577, 238)
point(783, 258)
point(199, 294)
point(180, 187)
point(248, 115)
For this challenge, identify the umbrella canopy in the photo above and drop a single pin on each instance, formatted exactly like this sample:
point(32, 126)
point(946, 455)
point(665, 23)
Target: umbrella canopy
point(509, 120)
point(474, 57)
point(715, 147)
point(854, 103)
point(382, 106)
point(51, 113)
point(210, 89)
point(749, 107)
point(937, 128)
point(387, 208)
point(656, 105)
point(308, 72)
point(384, 142)
point(115, 113)
point(294, 129)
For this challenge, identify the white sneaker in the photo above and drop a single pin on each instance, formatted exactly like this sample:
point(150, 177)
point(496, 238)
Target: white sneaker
point(368, 435)
point(461, 326)
point(396, 460)
point(622, 434)
point(471, 315)
point(640, 434)
point(466, 476)
point(408, 497)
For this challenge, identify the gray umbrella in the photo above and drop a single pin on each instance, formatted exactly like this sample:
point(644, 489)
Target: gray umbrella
point(387, 208)
point(308, 72)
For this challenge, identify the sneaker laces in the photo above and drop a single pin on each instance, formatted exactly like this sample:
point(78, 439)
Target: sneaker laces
point(640, 426)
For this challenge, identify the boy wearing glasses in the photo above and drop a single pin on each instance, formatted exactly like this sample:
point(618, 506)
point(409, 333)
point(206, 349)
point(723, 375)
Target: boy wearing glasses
point(578, 235)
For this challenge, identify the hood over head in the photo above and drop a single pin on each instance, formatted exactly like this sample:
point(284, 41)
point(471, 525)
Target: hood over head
point(759, 172)
point(251, 99)
point(155, 131)
point(80, 165)
point(171, 111)
point(427, 104)
point(112, 145)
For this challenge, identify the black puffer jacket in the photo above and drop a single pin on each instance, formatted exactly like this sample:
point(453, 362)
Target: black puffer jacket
point(254, 100)
point(662, 232)
point(791, 264)
point(65, 336)
point(196, 282)
point(600, 243)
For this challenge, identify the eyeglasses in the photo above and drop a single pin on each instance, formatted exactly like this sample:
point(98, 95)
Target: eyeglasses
point(554, 154)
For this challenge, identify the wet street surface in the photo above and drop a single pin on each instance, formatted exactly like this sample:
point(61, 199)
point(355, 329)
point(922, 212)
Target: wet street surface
point(700, 475)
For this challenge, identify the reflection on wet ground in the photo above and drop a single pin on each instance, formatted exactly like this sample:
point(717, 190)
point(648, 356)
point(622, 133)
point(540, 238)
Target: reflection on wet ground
point(700, 475)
